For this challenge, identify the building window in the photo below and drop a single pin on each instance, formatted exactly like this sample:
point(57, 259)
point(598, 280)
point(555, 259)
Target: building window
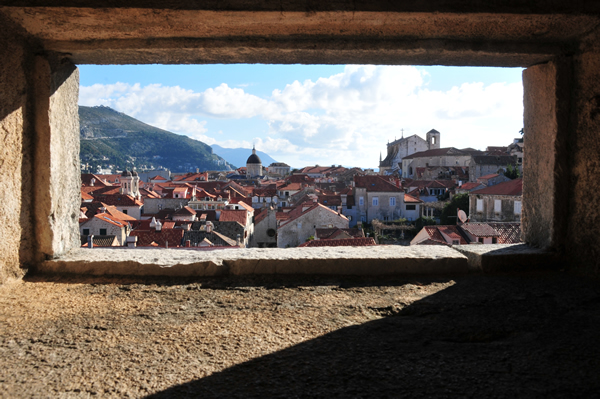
point(361, 201)
point(375, 201)
point(271, 232)
point(480, 239)
point(86, 232)
point(517, 207)
point(494, 240)
point(102, 232)
point(300, 225)
point(497, 206)
point(125, 211)
point(455, 242)
point(392, 201)
point(479, 205)
point(411, 207)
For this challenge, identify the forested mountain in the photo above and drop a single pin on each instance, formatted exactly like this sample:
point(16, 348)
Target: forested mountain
point(112, 138)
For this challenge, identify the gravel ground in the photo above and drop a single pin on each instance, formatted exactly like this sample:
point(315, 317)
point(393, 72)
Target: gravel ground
point(532, 335)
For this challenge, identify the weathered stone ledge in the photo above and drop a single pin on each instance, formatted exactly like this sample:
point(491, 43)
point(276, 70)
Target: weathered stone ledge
point(508, 257)
point(372, 261)
point(366, 261)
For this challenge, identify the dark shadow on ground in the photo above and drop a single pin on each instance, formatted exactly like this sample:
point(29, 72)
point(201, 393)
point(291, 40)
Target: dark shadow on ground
point(506, 336)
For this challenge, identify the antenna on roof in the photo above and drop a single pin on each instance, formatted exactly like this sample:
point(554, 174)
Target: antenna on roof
point(402, 130)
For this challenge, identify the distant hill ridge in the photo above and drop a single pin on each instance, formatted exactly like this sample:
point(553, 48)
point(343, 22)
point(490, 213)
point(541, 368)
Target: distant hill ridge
point(239, 156)
point(109, 137)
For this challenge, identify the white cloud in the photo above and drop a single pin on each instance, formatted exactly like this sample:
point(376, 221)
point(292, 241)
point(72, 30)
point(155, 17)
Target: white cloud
point(345, 118)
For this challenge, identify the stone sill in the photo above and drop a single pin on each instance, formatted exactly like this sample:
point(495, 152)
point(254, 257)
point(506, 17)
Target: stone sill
point(365, 261)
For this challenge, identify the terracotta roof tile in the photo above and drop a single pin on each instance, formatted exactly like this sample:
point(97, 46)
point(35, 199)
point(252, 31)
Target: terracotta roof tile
point(146, 237)
point(239, 216)
point(513, 187)
point(480, 229)
point(346, 242)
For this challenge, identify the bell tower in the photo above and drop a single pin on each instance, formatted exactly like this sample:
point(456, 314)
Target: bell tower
point(433, 139)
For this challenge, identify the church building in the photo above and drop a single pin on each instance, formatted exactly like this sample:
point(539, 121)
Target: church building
point(404, 147)
point(254, 167)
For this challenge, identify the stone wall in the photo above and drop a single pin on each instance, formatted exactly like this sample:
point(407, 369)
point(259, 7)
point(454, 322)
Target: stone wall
point(16, 157)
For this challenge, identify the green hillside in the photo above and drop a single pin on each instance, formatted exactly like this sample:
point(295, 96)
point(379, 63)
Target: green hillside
point(114, 140)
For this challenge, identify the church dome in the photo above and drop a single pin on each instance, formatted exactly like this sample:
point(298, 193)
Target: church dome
point(133, 173)
point(126, 174)
point(253, 159)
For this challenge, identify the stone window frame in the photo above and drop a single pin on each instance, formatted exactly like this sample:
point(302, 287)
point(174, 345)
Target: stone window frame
point(560, 79)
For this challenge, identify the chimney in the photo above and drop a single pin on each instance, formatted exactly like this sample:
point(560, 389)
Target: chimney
point(238, 241)
point(101, 210)
point(188, 243)
point(209, 227)
point(158, 226)
point(92, 182)
point(132, 241)
point(91, 241)
point(197, 170)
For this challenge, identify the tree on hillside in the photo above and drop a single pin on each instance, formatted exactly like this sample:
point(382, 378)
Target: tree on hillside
point(449, 213)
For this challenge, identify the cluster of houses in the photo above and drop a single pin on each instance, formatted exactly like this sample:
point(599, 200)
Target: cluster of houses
point(274, 206)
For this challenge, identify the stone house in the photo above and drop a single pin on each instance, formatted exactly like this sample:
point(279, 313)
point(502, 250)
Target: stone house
point(376, 197)
point(124, 203)
point(492, 179)
point(448, 156)
point(499, 203)
point(279, 168)
point(397, 150)
point(234, 223)
point(103, 224)
point(481, 165)
point(265, 229)
point(469, 233)
point(302, 222)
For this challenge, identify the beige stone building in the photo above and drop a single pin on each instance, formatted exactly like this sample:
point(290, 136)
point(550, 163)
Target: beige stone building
point(498, 203)
point(397, 150)
point(103, 224)
point(376, 197)
point(303, 221)
point(448, 156)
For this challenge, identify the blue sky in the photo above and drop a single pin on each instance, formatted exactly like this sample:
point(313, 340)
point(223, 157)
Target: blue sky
point(315, 114)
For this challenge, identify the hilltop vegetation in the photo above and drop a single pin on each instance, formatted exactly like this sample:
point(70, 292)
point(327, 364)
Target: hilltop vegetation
point(112, 138)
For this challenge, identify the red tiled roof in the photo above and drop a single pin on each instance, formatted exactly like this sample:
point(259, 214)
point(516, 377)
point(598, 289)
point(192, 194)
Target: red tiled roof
point(480, 229)
point(491, 175)
point(453, 233)
point(469, 185)
point(374, 183)
point(118, 200)
point(158, 177)
point(509, 233)
point(86, 180)
point(410, 199)
point(330, 234)
point(435, 235)
point(239, 216)
point(436, 152)
point(147, 237)
point(513, 187)
point(346, 242)
point(110, 219)
point(86, 196)
point(186, 210)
